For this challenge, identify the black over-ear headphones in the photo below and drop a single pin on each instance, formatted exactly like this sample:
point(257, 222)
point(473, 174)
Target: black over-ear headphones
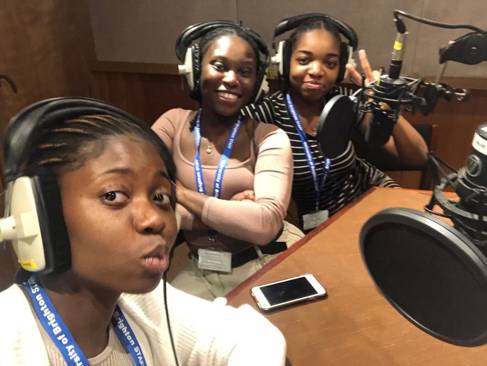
point(188, 51)
point(34, 220)
point(284, 49)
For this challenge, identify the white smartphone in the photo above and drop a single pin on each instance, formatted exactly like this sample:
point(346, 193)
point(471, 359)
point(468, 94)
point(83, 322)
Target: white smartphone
point(286, 292)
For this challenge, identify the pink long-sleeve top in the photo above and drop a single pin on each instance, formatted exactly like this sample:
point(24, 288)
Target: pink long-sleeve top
point(267, 171)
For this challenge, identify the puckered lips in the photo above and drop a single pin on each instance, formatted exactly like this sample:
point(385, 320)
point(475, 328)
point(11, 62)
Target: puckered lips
point(157, 260)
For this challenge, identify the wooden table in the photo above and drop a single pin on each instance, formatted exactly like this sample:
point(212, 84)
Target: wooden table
point(354, 325)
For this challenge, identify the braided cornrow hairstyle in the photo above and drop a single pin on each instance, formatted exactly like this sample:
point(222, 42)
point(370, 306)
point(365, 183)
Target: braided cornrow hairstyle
point(66, 145)
point(313, 24)
point(207, 40)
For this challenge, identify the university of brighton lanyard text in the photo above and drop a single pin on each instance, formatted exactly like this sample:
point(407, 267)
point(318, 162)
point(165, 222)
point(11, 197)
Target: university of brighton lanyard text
point(61, 336)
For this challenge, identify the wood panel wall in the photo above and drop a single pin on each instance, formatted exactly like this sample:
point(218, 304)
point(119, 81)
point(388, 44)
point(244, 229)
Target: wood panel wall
point(45, 47)
point(146, 96)
point(150, 95)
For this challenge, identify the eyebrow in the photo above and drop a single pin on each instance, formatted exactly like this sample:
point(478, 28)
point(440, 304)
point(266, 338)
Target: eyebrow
point(331, 54)
point(249, 60)
point(128, 171)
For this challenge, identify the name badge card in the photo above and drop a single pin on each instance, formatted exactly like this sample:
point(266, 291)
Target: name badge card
point(312, 220)
point(215, 261)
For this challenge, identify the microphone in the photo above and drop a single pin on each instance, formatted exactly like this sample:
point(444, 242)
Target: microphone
point(433, 273)
point(387, 92)
point(469, 213)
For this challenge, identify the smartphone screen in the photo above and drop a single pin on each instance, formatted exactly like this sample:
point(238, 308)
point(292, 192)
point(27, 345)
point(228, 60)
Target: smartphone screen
point(295, 288)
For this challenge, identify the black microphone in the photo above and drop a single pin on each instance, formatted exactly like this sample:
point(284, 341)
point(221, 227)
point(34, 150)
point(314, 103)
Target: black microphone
point(469, 213)
point(433, 273)
point(387, 93)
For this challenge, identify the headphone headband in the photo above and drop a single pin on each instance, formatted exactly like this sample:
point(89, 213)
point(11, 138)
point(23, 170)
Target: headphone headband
point(23, 129)
point(196, 31)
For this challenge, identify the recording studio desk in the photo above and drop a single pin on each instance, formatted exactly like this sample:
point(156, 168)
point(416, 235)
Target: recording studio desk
point(354, 325)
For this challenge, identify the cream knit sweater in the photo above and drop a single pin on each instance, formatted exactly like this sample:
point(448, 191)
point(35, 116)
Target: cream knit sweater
point(205, 333)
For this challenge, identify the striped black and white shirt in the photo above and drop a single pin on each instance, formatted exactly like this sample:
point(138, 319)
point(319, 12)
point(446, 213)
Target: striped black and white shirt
point(349, 176)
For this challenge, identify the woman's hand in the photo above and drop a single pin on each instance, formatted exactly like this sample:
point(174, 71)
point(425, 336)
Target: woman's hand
point(189, 199)
point(370, 74)
point(248, 194)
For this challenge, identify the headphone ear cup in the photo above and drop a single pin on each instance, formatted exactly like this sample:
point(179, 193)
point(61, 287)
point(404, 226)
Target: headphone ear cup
point(196, 54)
point(186, 69)
point(344, 57)
point(42, 242)
point(286, 60)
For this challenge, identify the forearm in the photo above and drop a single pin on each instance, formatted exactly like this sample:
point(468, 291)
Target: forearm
point(405, 143)
point(409, 144)
point(192, 201)
point(188, 220)
point(256, 222)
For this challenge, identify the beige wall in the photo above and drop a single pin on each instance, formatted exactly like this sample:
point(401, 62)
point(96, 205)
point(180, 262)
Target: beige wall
point(145, 31)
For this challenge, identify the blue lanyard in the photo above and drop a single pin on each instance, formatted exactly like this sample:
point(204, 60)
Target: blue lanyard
point(227, 152)
point(61, 336)
point(309, 156)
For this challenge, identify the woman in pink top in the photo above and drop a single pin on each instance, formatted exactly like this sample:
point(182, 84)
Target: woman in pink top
point(234, 174)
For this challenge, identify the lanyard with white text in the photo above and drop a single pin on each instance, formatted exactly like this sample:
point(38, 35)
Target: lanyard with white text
point(309, 156)
point(227, 151)
point(61, 336)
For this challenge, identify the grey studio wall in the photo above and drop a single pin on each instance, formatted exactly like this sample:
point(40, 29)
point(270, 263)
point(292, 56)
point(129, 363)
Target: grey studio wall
point(144, 31)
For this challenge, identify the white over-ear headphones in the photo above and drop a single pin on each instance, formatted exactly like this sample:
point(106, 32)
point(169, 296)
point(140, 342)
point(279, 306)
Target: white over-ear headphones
point(284, 48)
point(188, 51)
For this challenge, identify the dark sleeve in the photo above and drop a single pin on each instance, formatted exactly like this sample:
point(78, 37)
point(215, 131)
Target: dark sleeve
point(261, 111)
point(376, 177)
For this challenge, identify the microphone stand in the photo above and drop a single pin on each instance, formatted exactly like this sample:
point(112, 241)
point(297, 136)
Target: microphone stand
point(385, 97)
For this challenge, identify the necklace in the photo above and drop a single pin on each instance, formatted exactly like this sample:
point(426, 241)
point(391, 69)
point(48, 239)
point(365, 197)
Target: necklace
point(209, 148)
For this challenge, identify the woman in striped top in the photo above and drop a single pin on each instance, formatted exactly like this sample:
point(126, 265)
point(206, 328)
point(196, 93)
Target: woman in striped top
point(323, 186)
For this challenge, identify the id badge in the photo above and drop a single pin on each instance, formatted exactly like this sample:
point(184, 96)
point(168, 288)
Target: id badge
point(213, 260)
point(312, 220)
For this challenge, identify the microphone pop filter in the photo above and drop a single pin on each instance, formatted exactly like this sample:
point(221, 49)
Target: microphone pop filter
point(335, 125)
point(430, 272)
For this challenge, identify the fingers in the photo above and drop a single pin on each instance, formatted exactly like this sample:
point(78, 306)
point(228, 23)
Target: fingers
point(354, 75)
point(364, 63)
point(245, 195)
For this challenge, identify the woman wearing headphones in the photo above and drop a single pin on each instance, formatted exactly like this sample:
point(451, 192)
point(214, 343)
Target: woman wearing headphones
point(92, 196)
point(234, 174)
point(311, 62)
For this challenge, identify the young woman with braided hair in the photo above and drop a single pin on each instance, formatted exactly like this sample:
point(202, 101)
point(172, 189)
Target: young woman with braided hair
point(109, 225)
point(315, 60)
point(230, 222)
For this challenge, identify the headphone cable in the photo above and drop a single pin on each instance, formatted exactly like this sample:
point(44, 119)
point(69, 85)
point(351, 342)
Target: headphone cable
point(167, 319)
